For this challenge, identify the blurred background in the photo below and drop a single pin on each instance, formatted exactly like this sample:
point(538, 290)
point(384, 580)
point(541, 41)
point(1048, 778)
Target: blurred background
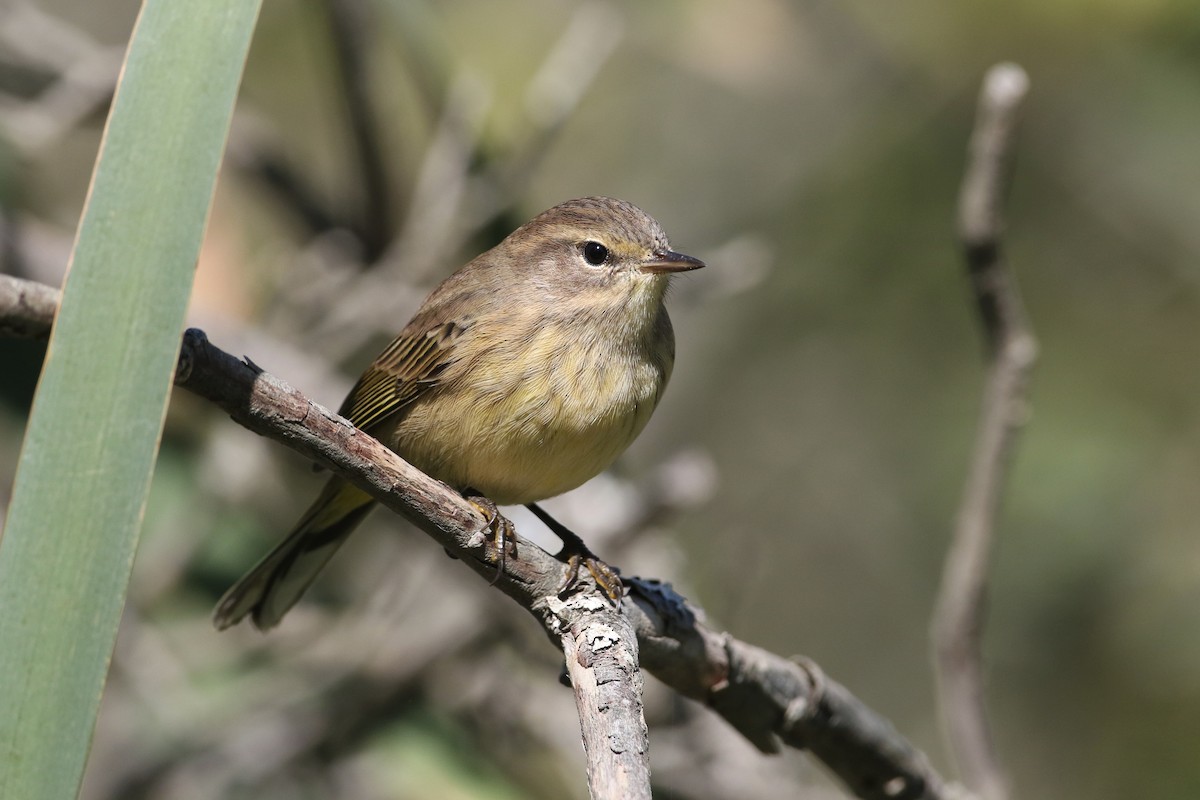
point(801, 477)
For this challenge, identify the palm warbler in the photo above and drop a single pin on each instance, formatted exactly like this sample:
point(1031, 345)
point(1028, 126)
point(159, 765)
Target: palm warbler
point(522, 375)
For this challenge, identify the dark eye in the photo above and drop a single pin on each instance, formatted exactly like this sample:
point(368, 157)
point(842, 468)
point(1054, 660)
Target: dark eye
point(595, 253)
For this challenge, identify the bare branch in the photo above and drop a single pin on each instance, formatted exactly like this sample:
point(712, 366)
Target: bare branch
point(767, 698)
point(602, 663)
point(980, 219)
point(960, 610)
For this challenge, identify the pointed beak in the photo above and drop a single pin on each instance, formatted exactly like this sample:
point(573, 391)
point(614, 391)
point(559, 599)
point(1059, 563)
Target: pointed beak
point(670, 261)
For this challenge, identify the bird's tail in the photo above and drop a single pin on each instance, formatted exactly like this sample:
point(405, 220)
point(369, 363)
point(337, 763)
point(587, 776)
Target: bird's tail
point(276, 583)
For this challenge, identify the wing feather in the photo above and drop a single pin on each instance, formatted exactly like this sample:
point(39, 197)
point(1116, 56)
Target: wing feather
point(408, 367)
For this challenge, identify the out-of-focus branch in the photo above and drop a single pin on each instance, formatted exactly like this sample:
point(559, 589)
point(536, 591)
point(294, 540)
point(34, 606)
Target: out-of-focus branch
point(767, 698)
point(370, 217)
point(27, 308)
point(349, 28)
point(567, 73)
point(251, 153)
point(959, 614)
point(85, 74)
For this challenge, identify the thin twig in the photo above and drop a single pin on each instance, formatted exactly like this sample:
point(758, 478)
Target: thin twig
point(432, 226)
point(959, 614)
point(767, 698)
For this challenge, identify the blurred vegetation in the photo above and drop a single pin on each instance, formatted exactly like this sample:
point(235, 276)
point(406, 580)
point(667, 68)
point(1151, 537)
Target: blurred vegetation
point(829, 372)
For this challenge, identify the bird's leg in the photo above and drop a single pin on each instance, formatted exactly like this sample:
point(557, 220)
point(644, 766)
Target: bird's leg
point(575, 553)
point(495, 527)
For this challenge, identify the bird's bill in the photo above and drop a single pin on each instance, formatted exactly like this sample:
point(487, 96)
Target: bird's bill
point(670, 261)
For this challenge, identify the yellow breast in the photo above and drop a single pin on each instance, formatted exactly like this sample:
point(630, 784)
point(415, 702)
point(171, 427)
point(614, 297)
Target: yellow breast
point(535, 418)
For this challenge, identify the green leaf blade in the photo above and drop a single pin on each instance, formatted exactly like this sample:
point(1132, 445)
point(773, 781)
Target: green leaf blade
point(93, 433)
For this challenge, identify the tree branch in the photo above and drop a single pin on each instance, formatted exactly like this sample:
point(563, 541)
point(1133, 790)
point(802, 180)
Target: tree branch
point(960, 610)
point(602, 663)
point(769, 699)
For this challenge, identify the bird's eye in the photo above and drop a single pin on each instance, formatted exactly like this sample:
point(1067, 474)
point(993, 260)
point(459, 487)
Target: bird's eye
point(595, 253)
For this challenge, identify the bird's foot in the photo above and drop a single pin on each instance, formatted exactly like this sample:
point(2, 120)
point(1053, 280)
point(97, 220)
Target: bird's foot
point(607, 577)
point(496, 527)
point(576, 554)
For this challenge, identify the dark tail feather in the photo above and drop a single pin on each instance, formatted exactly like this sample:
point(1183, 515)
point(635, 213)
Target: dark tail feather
point(277, 582)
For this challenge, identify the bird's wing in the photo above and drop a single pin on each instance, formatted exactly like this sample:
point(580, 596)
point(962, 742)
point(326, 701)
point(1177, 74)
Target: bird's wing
point(408, 367)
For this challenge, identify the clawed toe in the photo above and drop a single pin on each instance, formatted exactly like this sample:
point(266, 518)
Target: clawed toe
point(607, 577)
point(576, 554)
point(498, 529)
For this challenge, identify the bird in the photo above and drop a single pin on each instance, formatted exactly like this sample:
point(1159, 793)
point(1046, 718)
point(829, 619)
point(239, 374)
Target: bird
point(521, 376)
